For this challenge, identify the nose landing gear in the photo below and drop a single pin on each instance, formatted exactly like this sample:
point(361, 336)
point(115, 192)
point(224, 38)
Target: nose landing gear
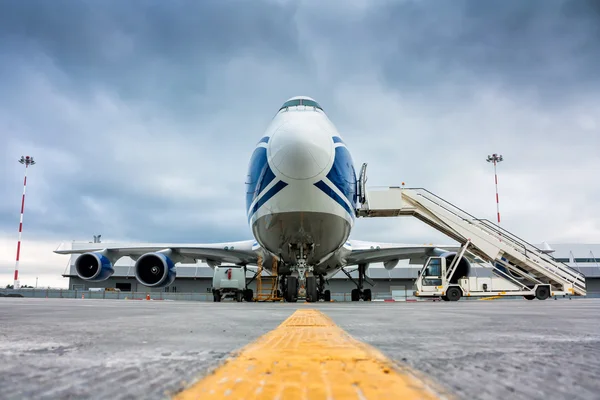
point(314, 289)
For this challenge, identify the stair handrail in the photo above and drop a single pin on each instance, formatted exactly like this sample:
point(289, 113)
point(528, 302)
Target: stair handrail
point(489, 224)
point(470, 221)
point(571, 273)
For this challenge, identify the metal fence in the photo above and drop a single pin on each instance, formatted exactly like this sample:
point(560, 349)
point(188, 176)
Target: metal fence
point(120, 295)
point(398, 295)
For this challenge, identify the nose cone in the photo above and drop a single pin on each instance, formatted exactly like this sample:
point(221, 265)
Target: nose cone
point(301, 151)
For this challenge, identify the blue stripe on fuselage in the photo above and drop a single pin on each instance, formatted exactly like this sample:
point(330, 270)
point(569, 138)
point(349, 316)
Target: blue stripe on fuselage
point(266, 197)
point(331, 193)
point(263, 140)
point(337, 139)
point(342, 174)
point(259, 175)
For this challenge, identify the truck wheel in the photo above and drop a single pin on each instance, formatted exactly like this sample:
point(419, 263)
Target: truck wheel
point(453, 294)
point(529, 297)
point(542, 292)
point(216, 297)
point(238, 296)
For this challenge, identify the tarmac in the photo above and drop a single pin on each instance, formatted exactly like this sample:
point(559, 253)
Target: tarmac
point(129, 349)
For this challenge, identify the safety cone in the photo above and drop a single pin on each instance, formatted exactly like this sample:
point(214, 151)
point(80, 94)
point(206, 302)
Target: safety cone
point(147, 296)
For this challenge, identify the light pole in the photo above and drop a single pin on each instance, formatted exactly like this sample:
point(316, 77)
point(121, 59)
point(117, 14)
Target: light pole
point(27, 161)
point(495, 158)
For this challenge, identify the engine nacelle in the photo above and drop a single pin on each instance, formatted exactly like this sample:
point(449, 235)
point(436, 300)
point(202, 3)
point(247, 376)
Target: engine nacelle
point(94, 267)
point(462, 270)
point(390, 264)
point(155, 270)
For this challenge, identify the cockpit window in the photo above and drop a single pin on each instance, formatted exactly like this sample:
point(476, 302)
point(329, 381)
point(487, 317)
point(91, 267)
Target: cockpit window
point(301, 102)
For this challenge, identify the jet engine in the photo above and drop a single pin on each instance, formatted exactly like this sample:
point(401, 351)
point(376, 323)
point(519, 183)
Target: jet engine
point(94, 267)
point(390, 264)
point(462, 270)
point(155, 270)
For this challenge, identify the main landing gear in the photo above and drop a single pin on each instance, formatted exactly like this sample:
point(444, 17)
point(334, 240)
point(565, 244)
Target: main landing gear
point(305, 283)
point(359, 293)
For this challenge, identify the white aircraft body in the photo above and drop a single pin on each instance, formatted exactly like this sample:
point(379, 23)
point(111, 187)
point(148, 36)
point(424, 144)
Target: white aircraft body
point(301, 197)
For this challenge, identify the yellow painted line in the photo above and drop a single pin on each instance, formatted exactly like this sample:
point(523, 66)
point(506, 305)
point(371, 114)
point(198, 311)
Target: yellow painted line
point(309, 357)
point(491, 298)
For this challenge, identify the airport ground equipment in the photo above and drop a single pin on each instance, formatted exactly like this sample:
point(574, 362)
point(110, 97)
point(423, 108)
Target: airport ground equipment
point(230, 281)
point(511, 258)
point(266, 286)
point(438, 278)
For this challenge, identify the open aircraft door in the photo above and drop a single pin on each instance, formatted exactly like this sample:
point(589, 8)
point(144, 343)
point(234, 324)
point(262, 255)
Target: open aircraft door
point(362, 181)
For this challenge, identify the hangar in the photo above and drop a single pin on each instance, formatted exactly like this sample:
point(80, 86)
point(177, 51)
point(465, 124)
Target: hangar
point(197, 278)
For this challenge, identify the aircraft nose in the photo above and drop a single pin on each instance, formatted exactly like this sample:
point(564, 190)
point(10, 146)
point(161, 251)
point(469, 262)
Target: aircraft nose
point(301, 152)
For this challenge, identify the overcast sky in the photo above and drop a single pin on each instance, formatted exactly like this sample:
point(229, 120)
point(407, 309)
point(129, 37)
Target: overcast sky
point(142, 115)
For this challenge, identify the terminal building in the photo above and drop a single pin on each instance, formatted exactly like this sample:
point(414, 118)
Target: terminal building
point(197, 278)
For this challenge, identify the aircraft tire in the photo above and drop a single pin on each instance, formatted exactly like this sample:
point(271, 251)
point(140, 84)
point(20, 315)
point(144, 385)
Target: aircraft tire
point(327, 295)
point(367, 296)
point(248, 295)
point(312, 295)
point(291, 292)
point(355, 295)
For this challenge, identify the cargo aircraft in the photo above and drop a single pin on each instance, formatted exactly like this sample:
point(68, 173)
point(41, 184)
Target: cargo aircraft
point(302, 193)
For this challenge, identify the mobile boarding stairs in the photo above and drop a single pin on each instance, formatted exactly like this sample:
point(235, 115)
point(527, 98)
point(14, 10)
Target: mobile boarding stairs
point(532, 272)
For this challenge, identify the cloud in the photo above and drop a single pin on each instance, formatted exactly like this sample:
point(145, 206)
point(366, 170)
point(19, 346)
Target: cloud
point(143, 115)
point(36, 261)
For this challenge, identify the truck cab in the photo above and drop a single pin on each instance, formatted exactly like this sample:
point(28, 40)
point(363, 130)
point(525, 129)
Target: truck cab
point(432, 281)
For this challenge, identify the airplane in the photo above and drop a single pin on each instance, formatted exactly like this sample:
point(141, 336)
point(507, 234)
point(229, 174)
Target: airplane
point(302, 193)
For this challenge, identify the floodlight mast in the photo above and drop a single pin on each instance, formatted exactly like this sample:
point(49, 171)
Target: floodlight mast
point(495, 158)
point(27, 161)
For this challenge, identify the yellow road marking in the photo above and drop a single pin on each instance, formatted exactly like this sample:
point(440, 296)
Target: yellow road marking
point(491, 298)
point(309, 357)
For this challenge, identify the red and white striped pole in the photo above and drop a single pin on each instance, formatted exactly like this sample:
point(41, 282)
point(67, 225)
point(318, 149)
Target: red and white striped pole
point(495, 158)
point(27, 161)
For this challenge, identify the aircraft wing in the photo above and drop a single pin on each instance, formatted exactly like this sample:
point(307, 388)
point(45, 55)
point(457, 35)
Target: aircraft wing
point(240, 253)
point(375, 252)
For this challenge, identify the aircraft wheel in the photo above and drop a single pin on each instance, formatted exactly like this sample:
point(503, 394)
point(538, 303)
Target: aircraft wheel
point(355, 295)
point(248, 295)
point(327, 295)
point(311, 289)
point(367, 295)
point(291, 292)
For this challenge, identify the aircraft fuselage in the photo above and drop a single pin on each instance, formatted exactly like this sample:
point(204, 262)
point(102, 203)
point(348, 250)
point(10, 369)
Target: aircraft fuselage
point(301, 187)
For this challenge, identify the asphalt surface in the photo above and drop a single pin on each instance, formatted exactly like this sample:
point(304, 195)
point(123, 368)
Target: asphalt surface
point(120, 349)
